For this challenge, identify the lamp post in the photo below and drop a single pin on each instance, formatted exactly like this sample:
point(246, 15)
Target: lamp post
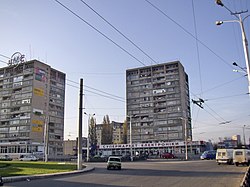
point(89, 115)
point(185, 131)
point(239, 20)
point(130, 136)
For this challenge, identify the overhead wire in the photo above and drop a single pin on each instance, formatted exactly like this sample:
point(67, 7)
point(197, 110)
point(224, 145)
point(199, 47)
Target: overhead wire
point(4, 56)
point(198, 59)
point(123, 35)
point(215, 113)
point(225, 97)
point(108, 95)
point(101, 33)
point(223, 84)
point(195, 37)
point(3, 62)
point(112, 95)
point(197, 46)
point(189, 33)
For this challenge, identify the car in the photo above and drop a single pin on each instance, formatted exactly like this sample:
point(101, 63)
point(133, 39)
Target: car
point(208, 155)
point(5, 158)
point(28, 158)
point(114, 162)
point(167, 155)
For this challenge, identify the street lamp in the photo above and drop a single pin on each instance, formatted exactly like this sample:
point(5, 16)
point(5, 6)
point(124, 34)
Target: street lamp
point(89, 115)
point(243, 69)
point(240, 20)
point(185, 129)
point(130, 136)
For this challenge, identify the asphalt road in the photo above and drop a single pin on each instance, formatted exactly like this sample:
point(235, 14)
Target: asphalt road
point(149, 173)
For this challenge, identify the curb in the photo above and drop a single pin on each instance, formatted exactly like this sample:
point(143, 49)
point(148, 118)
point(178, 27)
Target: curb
point(42, 176)
point(246, 180)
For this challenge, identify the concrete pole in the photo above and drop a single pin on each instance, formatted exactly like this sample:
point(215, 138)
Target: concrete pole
point(79, 159)
point(246, 52)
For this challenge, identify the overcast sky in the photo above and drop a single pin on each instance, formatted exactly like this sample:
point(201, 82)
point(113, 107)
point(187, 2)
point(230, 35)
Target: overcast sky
point(82, 45)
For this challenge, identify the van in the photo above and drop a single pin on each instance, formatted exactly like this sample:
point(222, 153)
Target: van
point(241, 156)
point(208, 155)
point(224, 156)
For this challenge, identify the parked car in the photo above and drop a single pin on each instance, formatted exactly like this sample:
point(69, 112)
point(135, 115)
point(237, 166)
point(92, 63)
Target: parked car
point(28, 158)
point(5, 158)
point(208, 155)
point(114, 162)
point(224, 156)
point(167, 155)
point(241, 156)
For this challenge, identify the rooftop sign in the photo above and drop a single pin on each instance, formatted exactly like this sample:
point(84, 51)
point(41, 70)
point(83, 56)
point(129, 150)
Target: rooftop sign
point(16, 58)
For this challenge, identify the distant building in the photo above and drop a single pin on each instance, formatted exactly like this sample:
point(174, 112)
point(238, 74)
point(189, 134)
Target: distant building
point(70, 147)
point(117, 133)
point(32, 97)
point(158, 103)
point(228, 143)
point(237, 138)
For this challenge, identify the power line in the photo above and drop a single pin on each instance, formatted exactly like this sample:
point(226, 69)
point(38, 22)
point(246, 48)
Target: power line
point(197, 46)
point(189, 33)
point(105, 96)
point(3, 62)
point(223, 84)
point(110, 96)
point(118, 31)
point(105, 36)
point(216, 113)
point(86, 90)
point(98, 90)
point(225, 97)
point(4, 56)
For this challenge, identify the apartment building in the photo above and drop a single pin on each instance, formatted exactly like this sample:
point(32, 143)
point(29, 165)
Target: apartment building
point(32, 97)
point(117, 134)
point(158, 103)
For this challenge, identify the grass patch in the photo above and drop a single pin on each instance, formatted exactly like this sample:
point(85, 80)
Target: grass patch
point(19, 168)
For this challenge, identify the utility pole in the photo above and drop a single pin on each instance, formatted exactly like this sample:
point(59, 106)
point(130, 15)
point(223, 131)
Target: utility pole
point(79, 160)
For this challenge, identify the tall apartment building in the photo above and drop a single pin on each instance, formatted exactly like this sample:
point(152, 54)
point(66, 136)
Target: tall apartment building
point(32, 97)
point(158, 103)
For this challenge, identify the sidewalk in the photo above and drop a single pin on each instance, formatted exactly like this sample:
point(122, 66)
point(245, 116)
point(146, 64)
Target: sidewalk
point(41, 176)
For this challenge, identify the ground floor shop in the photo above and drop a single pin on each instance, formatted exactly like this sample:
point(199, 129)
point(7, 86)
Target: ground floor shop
point(154, 149)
